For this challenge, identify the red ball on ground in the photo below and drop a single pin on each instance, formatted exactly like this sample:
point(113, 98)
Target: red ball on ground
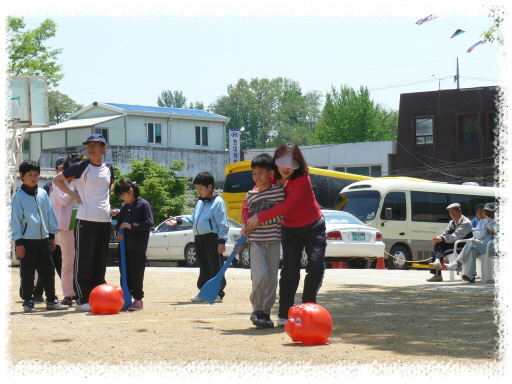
point(106, 299)
point(309, 323)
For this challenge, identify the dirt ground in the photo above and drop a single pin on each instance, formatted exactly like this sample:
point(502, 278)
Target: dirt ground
point(382, 317)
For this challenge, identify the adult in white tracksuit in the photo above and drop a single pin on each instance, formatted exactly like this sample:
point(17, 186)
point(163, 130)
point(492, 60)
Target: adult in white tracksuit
point(482, 235)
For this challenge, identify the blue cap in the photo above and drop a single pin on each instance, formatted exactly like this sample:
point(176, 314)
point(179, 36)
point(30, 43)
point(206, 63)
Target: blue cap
point(95, 137)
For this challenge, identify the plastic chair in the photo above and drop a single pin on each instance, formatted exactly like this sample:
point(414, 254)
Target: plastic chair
point(453, 256)
point(484, 263)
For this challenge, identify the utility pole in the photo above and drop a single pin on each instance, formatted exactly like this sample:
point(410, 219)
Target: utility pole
point(457, 75)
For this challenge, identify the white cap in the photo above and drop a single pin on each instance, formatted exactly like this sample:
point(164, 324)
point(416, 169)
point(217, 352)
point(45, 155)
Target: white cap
point(454, 205)
point(489, 207)
point(287, 161)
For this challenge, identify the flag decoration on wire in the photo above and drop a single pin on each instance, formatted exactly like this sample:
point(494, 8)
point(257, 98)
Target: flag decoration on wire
point(457, 33)
point(425, 19)
point(474, 45)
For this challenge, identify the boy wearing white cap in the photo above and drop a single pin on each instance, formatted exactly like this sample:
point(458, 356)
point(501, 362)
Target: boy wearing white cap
point(458, 228)
point(482, 235)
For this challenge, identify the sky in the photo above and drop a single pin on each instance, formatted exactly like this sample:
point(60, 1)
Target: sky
point(131, 56)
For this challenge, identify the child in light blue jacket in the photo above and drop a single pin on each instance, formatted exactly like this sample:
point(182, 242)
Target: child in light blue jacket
point(210, 227)
point(33, 229)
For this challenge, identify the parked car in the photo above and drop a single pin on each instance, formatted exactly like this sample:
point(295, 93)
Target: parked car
point(348, 240)
point(176, 243)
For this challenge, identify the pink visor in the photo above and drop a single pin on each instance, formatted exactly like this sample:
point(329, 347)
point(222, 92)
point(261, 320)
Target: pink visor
point(287, 161)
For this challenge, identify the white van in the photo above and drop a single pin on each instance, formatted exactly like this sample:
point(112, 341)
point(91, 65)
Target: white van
point(410, 213)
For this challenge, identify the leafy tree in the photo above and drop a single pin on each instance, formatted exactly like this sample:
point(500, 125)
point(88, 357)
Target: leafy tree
point(27, 53)
point(495, 32)
point(172, 100)
point(270, 111)
point(350, 116)
point(159, 185)
point(61, 106)
point(197, 105)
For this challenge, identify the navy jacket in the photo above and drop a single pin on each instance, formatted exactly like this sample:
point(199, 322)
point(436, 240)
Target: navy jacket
point(140, 215)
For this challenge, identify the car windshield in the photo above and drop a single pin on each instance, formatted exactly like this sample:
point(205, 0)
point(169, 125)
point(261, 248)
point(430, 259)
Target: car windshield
point(232, 223)
point(362, 204)
point(340, 218)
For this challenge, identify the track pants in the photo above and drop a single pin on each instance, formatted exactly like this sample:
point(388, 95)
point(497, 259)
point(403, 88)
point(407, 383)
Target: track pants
point(135, 268)
point(57, 263)
point(210, 261)
point(264, 269)
point(38, 255)
point(91, 249)
point(312, 238)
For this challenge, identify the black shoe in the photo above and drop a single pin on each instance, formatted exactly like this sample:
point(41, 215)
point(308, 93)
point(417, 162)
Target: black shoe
point(28, 306)
point(268, 323)
point(39, 299)
point(257, 319)
point(55, 306)
point(466, 278)
point(67, 301)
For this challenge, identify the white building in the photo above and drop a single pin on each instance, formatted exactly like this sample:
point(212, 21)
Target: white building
point(137, 132)
point(375, 158)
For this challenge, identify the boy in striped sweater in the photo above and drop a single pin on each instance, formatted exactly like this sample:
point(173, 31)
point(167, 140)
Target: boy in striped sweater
point(264, 241)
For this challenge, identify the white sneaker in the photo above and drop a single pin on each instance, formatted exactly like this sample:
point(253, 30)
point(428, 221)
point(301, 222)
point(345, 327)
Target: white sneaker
point(83, 307)
point(453, 266)
point(281, 322)
point(196, 299)
point(436, 265)
point(218, 300)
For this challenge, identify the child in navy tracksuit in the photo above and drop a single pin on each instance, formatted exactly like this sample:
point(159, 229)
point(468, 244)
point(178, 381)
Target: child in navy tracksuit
point(210, 226)
point(136, 219)
point(33, 229)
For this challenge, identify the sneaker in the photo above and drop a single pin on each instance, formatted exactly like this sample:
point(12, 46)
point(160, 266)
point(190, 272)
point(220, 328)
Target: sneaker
point(455, 266)
point(218, 300)
point(83, 307)
point(468, 279)
point(268, 323)
point(28, 306)
point(435, 278)
point(281, 322)
point(39, 299)
point(257, 319)
point(67, 300)
point(196, 299)
point(136, 306)
point(55, 306)
point(436, 265)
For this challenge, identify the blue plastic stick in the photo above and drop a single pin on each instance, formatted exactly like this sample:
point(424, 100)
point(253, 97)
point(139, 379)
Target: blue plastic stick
point(124, 283)
point(211, 289)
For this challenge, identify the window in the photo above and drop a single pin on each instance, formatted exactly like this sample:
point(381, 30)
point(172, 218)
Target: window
point(469, 128)
point(429, 207)
point(395, 201)
point(424, 130)
point(154, 133)
point(492, 126)
point(26, 144)
point(375, 171)
point(363, 171)
point(202, 136)
point(103, 132)
point(327, 190)
point(339, 169)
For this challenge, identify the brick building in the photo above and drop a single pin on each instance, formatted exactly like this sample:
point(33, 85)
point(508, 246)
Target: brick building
point(448, 135)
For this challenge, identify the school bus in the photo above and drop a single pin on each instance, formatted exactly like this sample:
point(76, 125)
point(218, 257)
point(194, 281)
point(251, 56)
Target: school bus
point(326, 185)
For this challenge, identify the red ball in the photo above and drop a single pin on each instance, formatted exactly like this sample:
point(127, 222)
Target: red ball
point(106, 299)
point(309, 323)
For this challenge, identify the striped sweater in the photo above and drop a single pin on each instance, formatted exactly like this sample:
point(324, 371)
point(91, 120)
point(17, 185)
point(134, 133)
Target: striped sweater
point(270, 230)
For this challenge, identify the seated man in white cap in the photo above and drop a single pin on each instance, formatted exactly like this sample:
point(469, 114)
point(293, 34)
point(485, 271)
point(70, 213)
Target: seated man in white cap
point(482, 235)
point(458, 228)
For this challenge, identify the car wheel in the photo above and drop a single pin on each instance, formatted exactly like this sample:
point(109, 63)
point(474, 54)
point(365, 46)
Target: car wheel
point(399, 261)
point(304, 260)
point(190, 256)
point(358, 264)
point(245, 258)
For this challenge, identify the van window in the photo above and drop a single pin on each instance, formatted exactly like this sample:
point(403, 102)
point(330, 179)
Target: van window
point(327, 189)
point(362, 204)
point(239, 182)
point(429, 207)
point(395, 201)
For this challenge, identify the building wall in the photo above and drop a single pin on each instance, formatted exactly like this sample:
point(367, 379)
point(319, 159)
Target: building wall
point(335, 156)
point(120, 156)
point(447, 158)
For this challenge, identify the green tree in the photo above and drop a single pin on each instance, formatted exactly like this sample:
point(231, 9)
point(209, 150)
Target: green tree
point(197, 105)
point(351, 116)
point(27, 53)
point(495, 32)
point(61, 106)
point(159, 185)
point(172, 99)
